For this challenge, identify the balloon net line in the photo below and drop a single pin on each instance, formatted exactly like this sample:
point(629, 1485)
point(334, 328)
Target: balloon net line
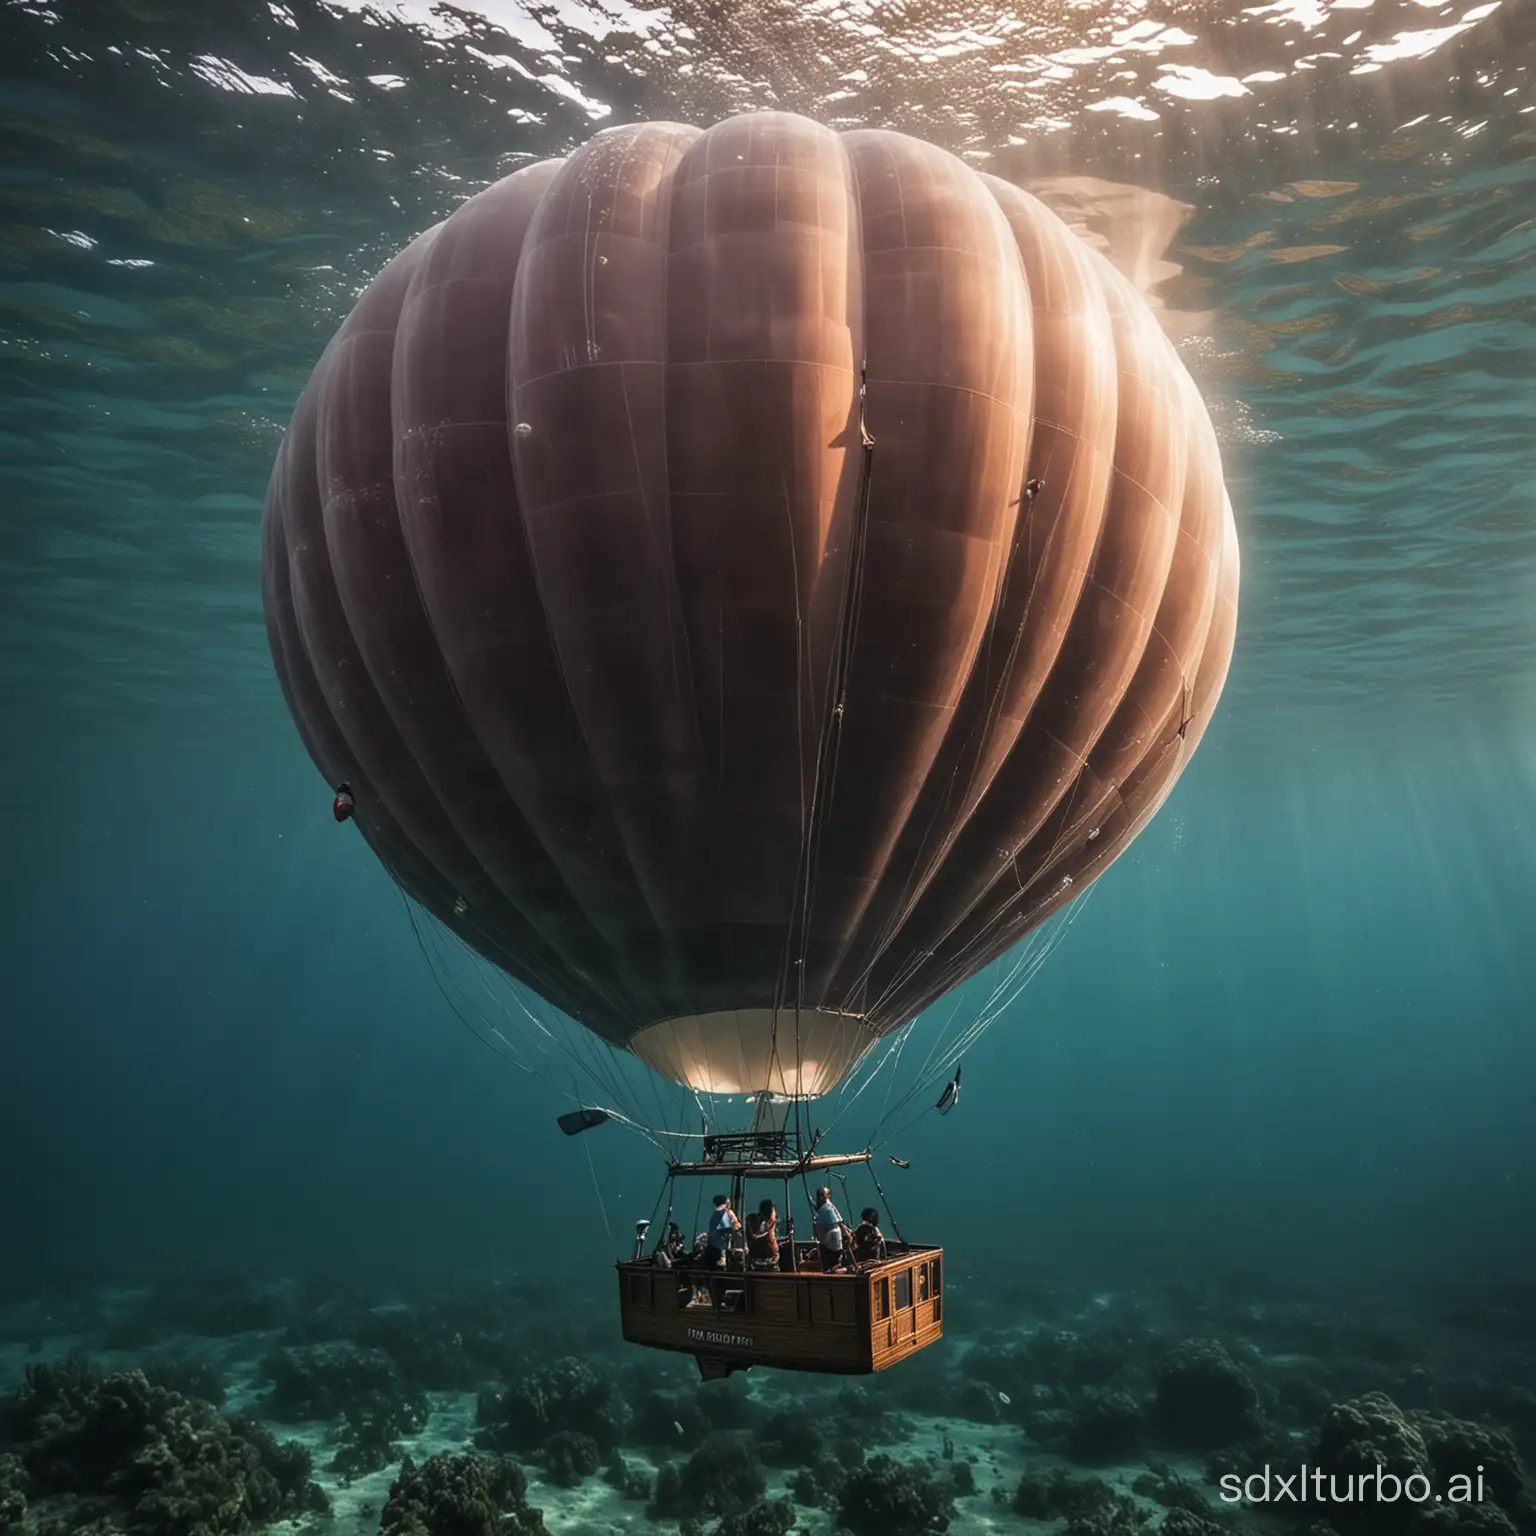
point(905, 1094)
point(989, 932)
point(932, 851)
point(544, 1042)
point(530, 1034)
point(1027, 963)
point(533, 1035)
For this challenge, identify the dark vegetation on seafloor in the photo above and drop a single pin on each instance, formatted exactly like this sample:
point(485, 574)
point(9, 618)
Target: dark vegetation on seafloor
point(1186, 1386)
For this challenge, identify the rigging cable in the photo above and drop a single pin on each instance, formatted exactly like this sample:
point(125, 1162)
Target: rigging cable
point(879, 1190)
point(596, 1185)
point(1004, 994)
point(604, 1081)
point(813, 815)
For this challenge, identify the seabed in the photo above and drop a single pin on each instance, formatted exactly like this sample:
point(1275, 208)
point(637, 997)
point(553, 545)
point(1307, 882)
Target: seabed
point(1048, 1407)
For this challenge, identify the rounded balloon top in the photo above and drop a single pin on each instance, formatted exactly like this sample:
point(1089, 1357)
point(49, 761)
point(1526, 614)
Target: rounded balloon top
point(747, 580)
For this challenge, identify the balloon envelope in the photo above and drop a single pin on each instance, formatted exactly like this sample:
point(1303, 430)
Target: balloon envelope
point(749, 579)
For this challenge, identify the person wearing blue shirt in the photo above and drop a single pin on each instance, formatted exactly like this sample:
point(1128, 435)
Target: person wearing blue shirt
point(723, 1227)
point(830, 1230)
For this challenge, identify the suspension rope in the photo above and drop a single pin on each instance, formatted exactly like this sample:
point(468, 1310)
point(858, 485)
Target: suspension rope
point(667, 1185)
point(1004, 994)
point(879, 1190)
point(595, 1059)
point(597, 1186)
point(813, 816)
point(926, 866)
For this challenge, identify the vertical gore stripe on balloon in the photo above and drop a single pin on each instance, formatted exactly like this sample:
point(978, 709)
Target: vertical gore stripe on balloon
point(587, 383)
point(950, 385)
point(1070, 459)
point(765, 320)
point(532, 801)
point(1045, 784)
point(344, 548)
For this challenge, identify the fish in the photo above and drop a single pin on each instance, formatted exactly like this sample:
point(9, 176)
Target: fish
point(1005, 1400)
point(678, 1427)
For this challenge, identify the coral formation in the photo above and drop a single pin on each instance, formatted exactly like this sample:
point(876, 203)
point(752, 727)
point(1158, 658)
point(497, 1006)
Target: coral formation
point(1356, 1439)
point(451, 1495)
point(791, 1439)
point(722, 1477)
point(365, 1442)
point(820, 1485)
point(570, 1457)
point(186, 1374)
point(885, 1497)
point(633, 1483)
point(360, 1387)
point(1459, 1449)
point(773, 1517)
point(1461, 1520)
point(325, 1381)
point(1371, 1434)
point(1164, 1486)
point(13, 1491)
point(1103, 1426)
point(1205, 1399)
point(147, 1457)
point(1058, 1495)
point(568, 1394)
point(1180, 1521)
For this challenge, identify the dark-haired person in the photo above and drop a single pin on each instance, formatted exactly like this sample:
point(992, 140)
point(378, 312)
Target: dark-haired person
point(762, 1227)
point(868, 1241)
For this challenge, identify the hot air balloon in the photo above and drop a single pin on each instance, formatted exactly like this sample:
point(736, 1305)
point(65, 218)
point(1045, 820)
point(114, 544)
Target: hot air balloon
point(748, 580)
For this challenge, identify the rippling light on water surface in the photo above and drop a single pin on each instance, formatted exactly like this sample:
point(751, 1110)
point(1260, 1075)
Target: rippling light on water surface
point(1332, 206)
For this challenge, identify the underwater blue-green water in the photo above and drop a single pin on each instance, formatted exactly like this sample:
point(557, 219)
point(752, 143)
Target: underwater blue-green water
point(1291, 1034)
